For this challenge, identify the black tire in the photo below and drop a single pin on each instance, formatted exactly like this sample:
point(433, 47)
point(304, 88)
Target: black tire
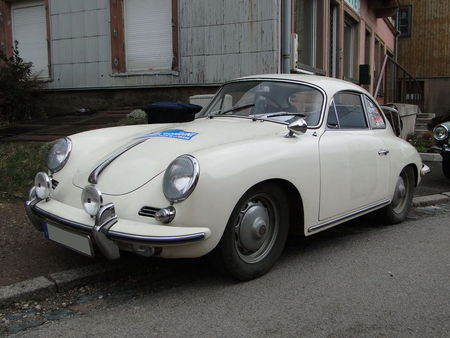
point(397, 211)
point(255, 234)
point(446, 165)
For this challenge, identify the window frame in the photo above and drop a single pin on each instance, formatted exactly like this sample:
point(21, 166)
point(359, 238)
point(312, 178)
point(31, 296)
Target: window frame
point(380, 111)
point(7, 43)
point(351, 21)
point(318, 38)
point(408, 9)
point(118, 50)
point(368, 127)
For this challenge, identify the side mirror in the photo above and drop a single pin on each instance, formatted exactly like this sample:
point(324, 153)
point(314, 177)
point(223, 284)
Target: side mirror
point(299, 126)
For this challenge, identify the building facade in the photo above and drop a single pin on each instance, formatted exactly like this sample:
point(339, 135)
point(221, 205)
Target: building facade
point(424, 49)
point(102, 53)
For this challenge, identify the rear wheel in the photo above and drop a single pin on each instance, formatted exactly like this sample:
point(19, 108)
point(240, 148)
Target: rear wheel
point(255, 234)
point(446, 164)
point(397, 211)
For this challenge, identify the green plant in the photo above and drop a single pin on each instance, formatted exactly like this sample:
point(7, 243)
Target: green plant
point(19, 88)
point(19, 163)
point(422, 142)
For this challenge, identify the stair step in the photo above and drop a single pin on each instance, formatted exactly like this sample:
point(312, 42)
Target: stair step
point(426, 116)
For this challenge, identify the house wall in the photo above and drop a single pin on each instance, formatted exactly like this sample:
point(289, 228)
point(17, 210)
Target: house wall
point(426, 52)
point(380, 29)
point(218, 40)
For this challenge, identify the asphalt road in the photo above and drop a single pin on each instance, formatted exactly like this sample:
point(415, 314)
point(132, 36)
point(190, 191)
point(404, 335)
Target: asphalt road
point(360, 279)
point(433, 183)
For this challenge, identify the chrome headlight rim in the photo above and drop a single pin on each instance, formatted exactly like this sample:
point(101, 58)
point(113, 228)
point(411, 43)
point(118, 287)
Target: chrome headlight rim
point(192, 182)
point(91, 192)
point(444, 135)
point(67, 152)
point(42, 185)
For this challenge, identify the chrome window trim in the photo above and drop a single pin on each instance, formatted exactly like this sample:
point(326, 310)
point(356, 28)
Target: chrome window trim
point(94, 175)
point(349, 216)
point(353, 92)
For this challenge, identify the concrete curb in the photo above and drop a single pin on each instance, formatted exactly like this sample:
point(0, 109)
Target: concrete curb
point(431, 157)
point(59, 281)
point(44, 286)
point(422, 201)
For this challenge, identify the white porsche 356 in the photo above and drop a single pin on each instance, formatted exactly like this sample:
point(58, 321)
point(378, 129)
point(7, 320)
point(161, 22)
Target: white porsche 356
point(270, 155)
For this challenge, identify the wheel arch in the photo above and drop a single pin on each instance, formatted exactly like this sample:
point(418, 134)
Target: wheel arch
point(296, 211)
point(416, 172)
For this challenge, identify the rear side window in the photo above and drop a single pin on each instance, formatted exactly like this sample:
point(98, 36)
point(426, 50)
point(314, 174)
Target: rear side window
point(376, 119)
point(348, 109)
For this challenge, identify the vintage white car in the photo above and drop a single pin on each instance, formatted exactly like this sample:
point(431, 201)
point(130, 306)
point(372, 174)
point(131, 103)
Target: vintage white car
point(270, 155)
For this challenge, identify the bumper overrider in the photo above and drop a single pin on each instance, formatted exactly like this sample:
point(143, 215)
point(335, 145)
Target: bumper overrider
point(101, 234)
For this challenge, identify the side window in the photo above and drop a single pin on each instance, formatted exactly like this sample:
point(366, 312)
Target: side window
point(349, 111)
point(375, 118)
point(332, 117)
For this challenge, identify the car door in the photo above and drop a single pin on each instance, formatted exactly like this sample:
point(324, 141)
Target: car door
point(354, 165)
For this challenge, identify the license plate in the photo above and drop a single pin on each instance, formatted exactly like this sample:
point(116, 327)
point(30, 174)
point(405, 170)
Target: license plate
point(77, 242)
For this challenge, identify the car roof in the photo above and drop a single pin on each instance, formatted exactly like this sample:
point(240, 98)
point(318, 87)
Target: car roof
point(328, 84)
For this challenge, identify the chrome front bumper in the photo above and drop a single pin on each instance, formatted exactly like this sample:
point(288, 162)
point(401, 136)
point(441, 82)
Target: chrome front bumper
point(425, 170)
point(108, 241)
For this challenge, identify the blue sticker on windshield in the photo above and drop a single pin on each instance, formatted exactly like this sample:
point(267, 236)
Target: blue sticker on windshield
point(172, 133)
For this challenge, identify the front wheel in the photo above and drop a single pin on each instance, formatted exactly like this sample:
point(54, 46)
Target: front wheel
point(446, 164)
point(255, 234)
point(397, 211)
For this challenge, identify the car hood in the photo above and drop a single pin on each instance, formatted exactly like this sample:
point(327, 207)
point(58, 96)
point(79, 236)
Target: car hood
point(160, 145)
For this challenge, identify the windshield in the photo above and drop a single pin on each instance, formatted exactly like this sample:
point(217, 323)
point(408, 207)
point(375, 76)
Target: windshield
point(271, 100)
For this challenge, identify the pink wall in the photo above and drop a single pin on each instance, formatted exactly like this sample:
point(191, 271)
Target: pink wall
point(378, 26)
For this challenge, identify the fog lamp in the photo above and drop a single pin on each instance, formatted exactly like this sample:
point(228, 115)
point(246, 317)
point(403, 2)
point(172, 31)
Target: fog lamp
point(91, 199)
point(42, 184)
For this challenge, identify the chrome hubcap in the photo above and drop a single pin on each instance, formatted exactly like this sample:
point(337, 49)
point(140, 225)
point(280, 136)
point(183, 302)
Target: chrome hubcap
point(256, 229)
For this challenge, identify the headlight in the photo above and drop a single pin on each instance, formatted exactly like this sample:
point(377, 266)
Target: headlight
point(42, 184)
point(440, 132)
point(91, 199)
point(58, 154)
point(180, 178)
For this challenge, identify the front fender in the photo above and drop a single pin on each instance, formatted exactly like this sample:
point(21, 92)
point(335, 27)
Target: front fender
point(227, 172)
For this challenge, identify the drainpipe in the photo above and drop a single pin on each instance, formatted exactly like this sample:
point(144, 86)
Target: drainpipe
point(286, 36)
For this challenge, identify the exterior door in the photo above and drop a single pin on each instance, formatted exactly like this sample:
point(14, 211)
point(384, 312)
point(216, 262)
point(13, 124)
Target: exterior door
point(354, 164)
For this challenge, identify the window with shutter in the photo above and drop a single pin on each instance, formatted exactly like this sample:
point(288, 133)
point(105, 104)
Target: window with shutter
point(148, 34)
point(29, 29)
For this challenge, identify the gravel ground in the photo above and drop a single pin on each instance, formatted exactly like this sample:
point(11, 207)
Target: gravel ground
point(25, 253)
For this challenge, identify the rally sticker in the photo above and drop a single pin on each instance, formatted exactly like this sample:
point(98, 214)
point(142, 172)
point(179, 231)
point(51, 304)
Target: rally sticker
point(172, 133)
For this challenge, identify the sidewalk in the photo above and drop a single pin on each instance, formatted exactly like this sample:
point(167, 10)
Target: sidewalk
point(45, 130)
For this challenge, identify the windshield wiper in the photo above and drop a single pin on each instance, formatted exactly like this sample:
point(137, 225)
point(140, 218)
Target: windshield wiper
point(232, 109)
point(285, 113)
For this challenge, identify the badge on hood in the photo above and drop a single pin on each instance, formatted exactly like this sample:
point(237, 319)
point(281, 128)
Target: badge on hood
point(172, 133)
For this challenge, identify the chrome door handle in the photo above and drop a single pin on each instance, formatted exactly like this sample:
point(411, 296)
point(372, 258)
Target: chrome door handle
point(383, 152)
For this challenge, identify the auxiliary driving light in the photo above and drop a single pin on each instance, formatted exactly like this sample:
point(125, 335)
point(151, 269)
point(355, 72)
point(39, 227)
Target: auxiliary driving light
point(91, 199)
point(42, 184)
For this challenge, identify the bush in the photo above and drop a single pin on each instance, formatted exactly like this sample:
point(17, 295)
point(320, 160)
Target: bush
point(19, 89)
point(19, 162)
point(422, 142)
